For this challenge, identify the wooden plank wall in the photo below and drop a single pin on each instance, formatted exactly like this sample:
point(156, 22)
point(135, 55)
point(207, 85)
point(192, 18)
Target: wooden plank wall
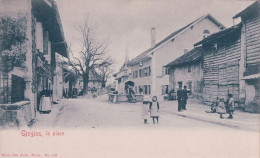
point(253, 41)
point(221, 72)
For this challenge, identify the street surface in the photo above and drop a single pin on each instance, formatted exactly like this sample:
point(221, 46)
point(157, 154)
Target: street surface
point(100, 113)
point(98, 128)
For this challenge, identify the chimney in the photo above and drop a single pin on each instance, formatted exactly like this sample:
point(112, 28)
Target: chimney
point(186, 51)
point(152, 37)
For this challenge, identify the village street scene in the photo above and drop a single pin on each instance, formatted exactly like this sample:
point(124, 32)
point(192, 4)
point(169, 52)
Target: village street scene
point(86, 65)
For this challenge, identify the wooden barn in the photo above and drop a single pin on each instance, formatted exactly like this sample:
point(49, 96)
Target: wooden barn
point(232, 61)
point(221, 64)
point(250, 57)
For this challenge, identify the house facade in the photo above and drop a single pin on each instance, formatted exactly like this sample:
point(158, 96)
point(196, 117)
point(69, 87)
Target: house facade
point(70, 83)
point(44, 38)
point(250, 57)
point(93, 83)
point(58, 81)
point(231, 61)
point(187, 70)
point(147, 69)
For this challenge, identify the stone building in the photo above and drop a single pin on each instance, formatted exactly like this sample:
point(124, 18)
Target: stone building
point(187, 70)
point(21, 88)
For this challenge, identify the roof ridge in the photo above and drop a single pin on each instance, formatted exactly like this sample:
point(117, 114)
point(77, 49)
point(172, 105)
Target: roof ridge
point(140, 56)
point(190, 54)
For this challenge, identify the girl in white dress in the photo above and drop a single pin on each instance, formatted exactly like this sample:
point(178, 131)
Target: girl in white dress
point(145, 108)
point(221, 108)
point(154, 108)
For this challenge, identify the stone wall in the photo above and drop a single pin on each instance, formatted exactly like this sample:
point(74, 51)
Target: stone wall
point(15, 115)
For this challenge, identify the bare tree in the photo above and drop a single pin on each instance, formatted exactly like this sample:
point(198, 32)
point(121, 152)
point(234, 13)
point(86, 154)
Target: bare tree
point(104, 71)
point(91, 57)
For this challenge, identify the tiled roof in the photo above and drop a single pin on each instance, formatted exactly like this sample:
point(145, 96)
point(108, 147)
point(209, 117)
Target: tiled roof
point(249, 10)
point(220, 34)
point(142, 57)
point(190, 57)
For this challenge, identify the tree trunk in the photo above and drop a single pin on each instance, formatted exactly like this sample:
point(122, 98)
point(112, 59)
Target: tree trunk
point(103, 84)
point(85, 84)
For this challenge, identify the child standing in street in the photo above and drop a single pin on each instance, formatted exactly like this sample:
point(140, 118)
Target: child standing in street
point(154, 108)
point(145, 108)
point(221, 108)
point(230, 106)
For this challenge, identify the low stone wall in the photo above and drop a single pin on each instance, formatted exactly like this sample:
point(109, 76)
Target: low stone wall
point(15, 115)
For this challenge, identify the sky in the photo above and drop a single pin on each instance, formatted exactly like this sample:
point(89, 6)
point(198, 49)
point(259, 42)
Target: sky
point(126, 24)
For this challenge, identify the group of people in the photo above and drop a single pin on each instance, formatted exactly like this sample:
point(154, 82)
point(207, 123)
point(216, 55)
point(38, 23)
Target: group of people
point(150, 109)
point(182, 95)
point(221, 106)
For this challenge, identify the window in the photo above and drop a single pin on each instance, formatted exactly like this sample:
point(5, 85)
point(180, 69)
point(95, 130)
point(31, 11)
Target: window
point(206, 33)
point(136, 73)
point(145, 89)
point(146, 71)
point(133, 74)
point(189, 68)
point(149, 89)
point(140, 89)
point(143, 72)
point(166, 89)
point(167, 71)
point(179, 84)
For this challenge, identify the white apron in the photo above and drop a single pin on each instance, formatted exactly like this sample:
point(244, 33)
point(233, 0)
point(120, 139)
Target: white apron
point(221, 108)
point(154, 110)
point(45, 104)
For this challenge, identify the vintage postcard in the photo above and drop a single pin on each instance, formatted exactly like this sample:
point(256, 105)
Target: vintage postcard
point(129, 79)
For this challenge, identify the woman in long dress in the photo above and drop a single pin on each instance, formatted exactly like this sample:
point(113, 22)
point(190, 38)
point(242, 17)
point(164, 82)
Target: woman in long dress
point(154, 108)
point(145, 108)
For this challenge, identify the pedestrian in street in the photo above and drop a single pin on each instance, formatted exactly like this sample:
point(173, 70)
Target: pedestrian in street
point(180, 98)
point(231, 106)
point(214, 106)
point(185, 97)
point(154, 108)
point(221, 108)
point(145, 108)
